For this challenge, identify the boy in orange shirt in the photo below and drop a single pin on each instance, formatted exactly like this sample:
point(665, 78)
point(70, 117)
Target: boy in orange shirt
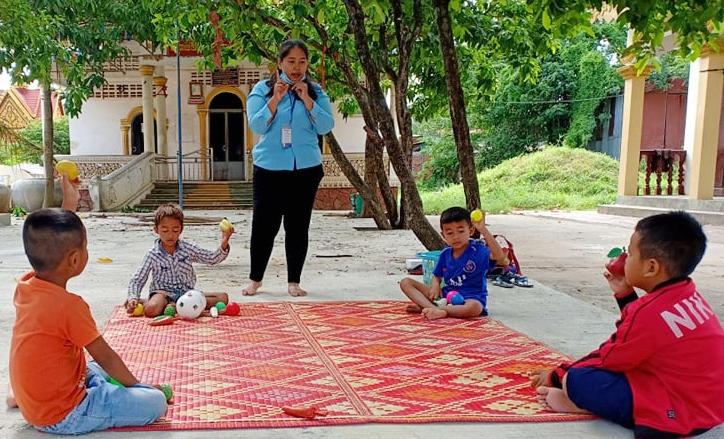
point(56, 390)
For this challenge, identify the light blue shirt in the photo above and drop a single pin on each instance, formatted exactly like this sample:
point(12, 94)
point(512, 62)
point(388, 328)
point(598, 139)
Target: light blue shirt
point(269, 153)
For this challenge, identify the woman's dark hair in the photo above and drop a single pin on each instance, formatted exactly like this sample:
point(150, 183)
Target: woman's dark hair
point(284, 50)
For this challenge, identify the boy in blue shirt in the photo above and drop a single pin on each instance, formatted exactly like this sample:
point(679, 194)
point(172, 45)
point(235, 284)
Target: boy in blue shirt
point(462, 265)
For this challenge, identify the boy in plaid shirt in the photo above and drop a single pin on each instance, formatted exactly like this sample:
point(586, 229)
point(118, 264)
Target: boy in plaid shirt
point(170, 261)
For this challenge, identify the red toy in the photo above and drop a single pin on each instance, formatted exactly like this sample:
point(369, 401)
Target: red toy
point(309, 412)
point(616, 265)
point(163, 321)
point(232, 309)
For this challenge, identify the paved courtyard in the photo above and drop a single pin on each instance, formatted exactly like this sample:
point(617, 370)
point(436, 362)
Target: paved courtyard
point(570, 307)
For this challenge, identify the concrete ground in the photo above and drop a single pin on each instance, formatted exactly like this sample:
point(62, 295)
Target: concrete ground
point(570, 308)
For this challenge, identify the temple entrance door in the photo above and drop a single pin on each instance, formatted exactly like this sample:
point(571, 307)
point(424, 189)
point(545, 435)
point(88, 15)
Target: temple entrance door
point(226, 136)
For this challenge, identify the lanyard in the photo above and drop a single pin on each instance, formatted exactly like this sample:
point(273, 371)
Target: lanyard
point(293, 97)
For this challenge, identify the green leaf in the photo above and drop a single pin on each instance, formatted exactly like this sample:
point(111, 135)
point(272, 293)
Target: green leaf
point(615, 252)
point(546, 19)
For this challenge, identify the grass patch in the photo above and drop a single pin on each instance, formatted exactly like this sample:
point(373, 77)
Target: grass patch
point(555, 178)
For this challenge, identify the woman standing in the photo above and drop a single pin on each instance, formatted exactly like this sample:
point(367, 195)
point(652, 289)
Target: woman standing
point(289, 112)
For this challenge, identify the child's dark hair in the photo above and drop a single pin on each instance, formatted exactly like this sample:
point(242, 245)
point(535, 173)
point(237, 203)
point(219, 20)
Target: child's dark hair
point(675, 239)
point(48, 236)
point(168, 211)
point(287, 46)
point(454, 215)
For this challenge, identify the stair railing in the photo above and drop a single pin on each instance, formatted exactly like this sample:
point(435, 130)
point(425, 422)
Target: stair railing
point(125, 186)
point(196, 166)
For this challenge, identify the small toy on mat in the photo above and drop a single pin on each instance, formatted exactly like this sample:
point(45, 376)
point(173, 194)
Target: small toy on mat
point(308, 412)
point(137, 311)
point(191, 304)
point(232, 309)
point(163, 320)
point(170, 310)
point(165, 388)
point(455, 298)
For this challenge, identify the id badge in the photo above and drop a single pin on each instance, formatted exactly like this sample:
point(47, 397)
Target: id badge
point(286, 137)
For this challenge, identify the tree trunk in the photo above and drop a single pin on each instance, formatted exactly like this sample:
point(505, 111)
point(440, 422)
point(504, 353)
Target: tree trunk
point(458, 115)
point(370, 173)
point(47, 112)
point(376, 159)
point(368, 194)
point(422, 228)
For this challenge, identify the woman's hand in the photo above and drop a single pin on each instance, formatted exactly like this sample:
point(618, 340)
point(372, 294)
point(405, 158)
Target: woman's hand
point(301, 88)
point(280, 88)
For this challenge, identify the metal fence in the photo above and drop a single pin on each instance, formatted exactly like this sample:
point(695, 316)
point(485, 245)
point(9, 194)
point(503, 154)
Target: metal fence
point(195, 167)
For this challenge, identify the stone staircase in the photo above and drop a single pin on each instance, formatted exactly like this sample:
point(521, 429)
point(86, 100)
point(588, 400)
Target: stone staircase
point(201, 195)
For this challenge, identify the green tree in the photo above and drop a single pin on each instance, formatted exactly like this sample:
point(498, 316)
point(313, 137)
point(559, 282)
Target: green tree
point(44, 40)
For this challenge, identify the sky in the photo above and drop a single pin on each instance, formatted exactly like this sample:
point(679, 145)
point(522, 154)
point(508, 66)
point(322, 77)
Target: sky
point(4, 81)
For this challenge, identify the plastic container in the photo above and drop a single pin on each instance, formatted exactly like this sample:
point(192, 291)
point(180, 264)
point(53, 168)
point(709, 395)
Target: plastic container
point(357, 203)
point(429, 260)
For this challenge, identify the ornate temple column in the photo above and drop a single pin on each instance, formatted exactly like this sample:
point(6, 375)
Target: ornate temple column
point(149, 136)
point(159, 85)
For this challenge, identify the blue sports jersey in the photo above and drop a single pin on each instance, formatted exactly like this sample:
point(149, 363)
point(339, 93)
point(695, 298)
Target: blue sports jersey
point(465, 274)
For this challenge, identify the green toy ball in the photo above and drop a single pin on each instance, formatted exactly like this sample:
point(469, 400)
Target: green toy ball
point(170, 311)
point(114, 381)
point(220, 306)
point(167, 391)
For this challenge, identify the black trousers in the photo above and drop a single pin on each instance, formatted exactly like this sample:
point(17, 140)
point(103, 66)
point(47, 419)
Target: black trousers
point(287, 195)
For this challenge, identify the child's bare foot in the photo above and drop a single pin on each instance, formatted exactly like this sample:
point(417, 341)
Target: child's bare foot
point(10, 399)
point(538, 378)
point(434, 313)
point(251, 289)
point(413, 309)
point(556, 400)
point(295, 290)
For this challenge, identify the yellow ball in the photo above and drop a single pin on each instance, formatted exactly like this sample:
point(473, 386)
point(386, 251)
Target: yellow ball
point(138, 310)
point(225, 225)
point(477, 215)
point(67, 168)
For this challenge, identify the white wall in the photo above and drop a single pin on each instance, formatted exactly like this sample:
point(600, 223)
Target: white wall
point(97, 130)
point(349, 133)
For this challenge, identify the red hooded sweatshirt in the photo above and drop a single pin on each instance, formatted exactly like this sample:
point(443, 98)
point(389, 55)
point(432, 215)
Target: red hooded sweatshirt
point(670, 345)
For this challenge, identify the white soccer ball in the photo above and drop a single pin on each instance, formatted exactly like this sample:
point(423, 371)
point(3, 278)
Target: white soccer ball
point(191, 304)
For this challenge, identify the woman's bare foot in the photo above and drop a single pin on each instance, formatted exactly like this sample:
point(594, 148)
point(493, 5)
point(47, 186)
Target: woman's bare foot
point(251, 289)
point(295, 290)
point(413, 309)
point(434, 313)
point(556, 400)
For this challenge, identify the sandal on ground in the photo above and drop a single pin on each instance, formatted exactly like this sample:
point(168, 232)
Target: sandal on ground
point(501, 281)
point(520, 281)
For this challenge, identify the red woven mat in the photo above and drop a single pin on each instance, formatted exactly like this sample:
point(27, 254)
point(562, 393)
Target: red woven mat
point(362, 361)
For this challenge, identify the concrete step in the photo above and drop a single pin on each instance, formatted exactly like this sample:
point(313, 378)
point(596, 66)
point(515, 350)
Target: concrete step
point(704, 217)
point(201, 195)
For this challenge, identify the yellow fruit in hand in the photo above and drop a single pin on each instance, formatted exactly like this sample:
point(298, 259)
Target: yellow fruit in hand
point(67, 168)
point(477, 215)
point(225, 225)
point(138, 310)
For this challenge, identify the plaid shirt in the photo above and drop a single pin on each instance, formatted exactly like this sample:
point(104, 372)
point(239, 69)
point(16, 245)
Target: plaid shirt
point(172, 273)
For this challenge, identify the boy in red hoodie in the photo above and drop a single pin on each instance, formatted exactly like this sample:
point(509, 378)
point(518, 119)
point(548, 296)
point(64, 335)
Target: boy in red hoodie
point(662, 372)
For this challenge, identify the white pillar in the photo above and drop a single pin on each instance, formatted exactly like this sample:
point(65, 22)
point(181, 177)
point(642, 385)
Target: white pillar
point(149, 135)
point(692, 102)
point(159, 85)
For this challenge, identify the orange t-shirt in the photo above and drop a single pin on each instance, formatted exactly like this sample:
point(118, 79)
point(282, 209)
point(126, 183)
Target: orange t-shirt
point(47, 364)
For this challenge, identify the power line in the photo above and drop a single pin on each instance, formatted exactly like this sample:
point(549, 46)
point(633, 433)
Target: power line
point(561, 101)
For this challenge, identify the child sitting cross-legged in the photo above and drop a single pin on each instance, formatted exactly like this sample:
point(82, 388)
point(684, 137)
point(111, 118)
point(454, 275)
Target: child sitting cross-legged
point(170, 264)
point(56, 390)
point(662, 372)
point(462, 265)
